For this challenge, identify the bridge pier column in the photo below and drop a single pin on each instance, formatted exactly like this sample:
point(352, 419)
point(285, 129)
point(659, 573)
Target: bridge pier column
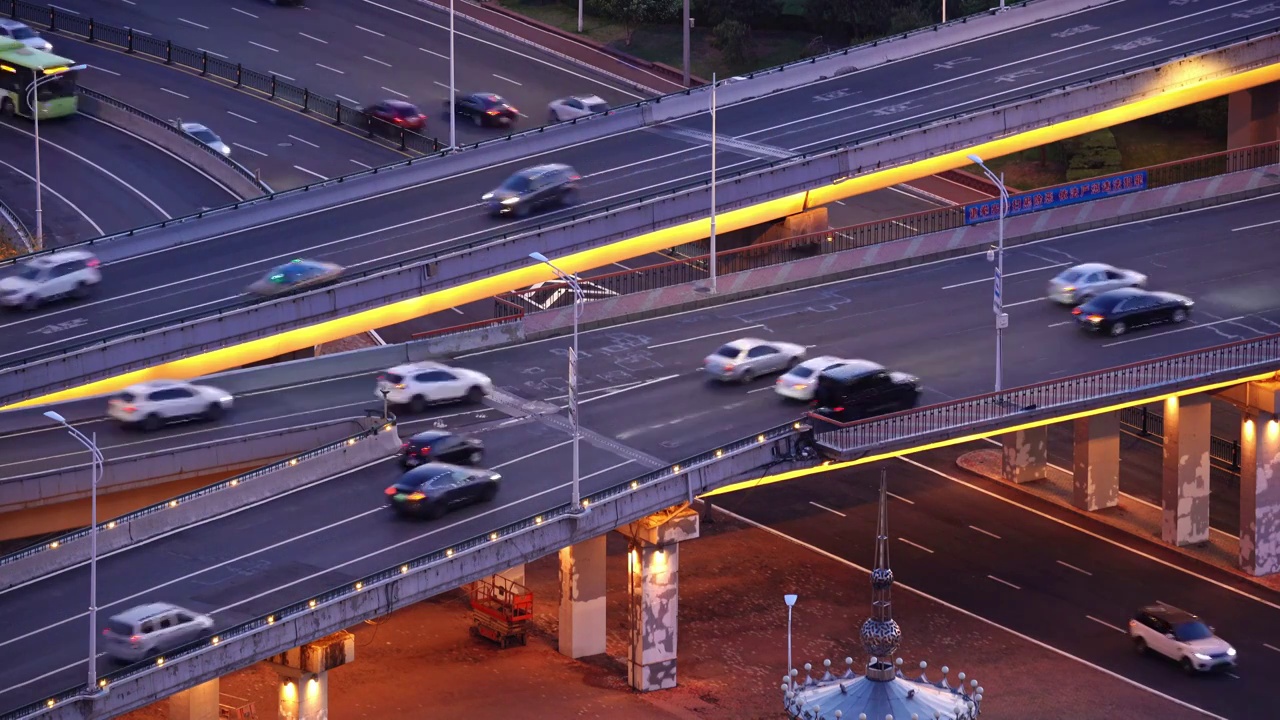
point(196, 703)
point(653, 581)
point(1184, 498)
point(1260, 493)
point(1253, 116)
point(1026, 455)
point(304, 675)
point(582, 598)
point(1096, 466)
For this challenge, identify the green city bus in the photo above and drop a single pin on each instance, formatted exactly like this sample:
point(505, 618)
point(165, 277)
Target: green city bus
point(20, 66)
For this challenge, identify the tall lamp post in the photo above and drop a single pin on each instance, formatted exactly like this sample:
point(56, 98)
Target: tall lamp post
point(791, 602)
point(997, 302)
point(32, 102)
point(572, 282)
point(713, 182)
point(95, 475)
point(453, 91)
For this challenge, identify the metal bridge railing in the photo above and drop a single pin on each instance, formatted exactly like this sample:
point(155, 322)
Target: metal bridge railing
point(1144, 422)
point(1068, 393)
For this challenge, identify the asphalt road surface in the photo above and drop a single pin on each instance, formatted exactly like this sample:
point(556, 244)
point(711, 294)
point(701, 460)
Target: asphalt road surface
point(440, 214)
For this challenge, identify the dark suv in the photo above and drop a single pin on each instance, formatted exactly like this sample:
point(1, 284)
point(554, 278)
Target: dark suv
point(441, 446)
point(484, 109)
point(861, 389)
point(532, 188)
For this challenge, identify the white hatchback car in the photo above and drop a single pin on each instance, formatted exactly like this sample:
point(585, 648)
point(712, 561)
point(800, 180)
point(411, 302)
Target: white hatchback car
point(62, 274)
point(152, 404)
point(1180, 636)
point(800, 381)
point(417, 385)
point(575, 106)
point(148, 631)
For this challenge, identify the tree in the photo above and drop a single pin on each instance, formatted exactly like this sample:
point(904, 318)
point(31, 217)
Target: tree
point(733, 40)
point(634, 13)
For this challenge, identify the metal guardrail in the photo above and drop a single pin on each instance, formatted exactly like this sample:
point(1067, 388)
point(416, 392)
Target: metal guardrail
point(108, 525)
point(237, 167)
point(777, 252)
point(265, 84)
point(10, 218)
point(1006, 406)
point(423, 562)
point(1146, 423)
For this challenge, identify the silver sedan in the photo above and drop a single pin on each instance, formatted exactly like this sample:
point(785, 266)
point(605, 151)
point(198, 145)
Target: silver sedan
point(1080, 284)
point(746, 359)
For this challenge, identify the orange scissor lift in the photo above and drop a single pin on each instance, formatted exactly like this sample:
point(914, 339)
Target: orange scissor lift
point(501, 610)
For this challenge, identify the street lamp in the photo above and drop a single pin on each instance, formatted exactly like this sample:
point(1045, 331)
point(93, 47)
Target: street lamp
point(32, 100)
point(997, 302)
point(95, 475)
point(572, 282)
point(453, 91)
point(791, 601)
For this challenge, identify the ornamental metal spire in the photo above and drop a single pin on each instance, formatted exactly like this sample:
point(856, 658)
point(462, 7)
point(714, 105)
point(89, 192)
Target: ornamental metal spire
point(881, 635)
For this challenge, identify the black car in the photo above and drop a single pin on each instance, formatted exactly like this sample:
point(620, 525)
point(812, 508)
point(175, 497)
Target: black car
point(533, 188)
point(484, 109)
point(440, 446)
point(1118, 311)
point(433, 489)
point(860, 389)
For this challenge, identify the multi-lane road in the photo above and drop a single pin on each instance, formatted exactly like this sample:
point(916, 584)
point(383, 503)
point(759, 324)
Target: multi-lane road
point(642, 390)
point(436, 215)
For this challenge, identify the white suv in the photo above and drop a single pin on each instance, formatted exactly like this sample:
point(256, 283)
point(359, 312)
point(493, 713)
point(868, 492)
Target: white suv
point(22, 32)
point(419, 384)
point(1180, 636)
point(39, 280)
point(147, 631)
point(152, 404)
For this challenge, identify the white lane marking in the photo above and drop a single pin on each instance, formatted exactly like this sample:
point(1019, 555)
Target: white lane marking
point(246, 147)
point(326, 67)
point(363, 165)
point(1060, 324)
point(1105, 624)
point(1095, 536)
point(304, 142)
point(264, 47)
point(245, 12)
point(313, 173)
point(51, 672)
point(1008, 275)
point(1232, 675)
point(193, 23)
point(1175, 330)
point(899, 497)
point(1271, 647)
point(457, 311)
point(962, 611)
point(611, 468)
point(702, 337)
point(433, 52)
point(102, 69)
point(513, 82)
point(763, 389)
point(65, 10)
point(374, 32)
point(1004, 582)
point(985, 532)
point(281, 75)
point(1025, 302)
point(1073, 567)
point(374, 59)
point(174, 92)
point(394, 92)
point(824, 507)
point(313, 37)
point(344, 97)
point(58, 195)
point(610, 388)
point(917, 546)
point(1251, 227)
point(242, 117)
point(446, 87)
point(629, 388)
point(532, 454)
point(144, 32)
point(210, 52)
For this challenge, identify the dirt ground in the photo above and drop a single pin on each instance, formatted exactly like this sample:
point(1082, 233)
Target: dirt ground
point(423, 663)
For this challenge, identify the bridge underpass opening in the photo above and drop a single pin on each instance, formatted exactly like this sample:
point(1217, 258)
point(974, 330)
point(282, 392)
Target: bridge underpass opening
point(1253, 115)
point(401, 311)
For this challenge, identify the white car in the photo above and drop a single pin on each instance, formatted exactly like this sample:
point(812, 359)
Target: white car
point(69, 273)
point(206, 136)
point(150, 630)
point(14, 30)
point(800, 381)
point(746, 359)
point(152, 404)
point(1182, 637)
point(417, 385)
point(575, 106)
point(1082, 283)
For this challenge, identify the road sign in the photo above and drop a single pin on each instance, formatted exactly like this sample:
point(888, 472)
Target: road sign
point(1002, 321)
point(996, 303)
point(573, 387)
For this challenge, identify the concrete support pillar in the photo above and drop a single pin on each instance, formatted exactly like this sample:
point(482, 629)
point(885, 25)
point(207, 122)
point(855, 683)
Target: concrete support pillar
point(653, 582)
point(1260, 493)
point(1097, 462)
point(304, 675)
point(1253, 116)
point(197, 703)
point(1184, 498)
point(582, 598)
point(1026, 455)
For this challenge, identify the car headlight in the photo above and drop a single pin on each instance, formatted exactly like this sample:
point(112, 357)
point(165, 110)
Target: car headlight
point(226, 150)
point(1231, 651)
point(511, 201)
point(1201, 656)
point(487, 196)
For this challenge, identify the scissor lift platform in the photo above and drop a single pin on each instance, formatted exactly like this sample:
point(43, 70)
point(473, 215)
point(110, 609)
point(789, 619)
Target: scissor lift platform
point(501, 610)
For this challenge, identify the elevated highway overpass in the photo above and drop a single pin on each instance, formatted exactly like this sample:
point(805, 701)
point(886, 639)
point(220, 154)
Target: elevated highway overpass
point(401, 224)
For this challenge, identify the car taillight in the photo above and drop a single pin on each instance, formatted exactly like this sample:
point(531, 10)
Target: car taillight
point(493, 112)
point(1095, 318)
point(129, 408)
point(1076, 311)
point(416, 496)
point(92, 262)
point(575, 177)
point(390, 491)
point(135, 639)
point(425, 449)
point(839, 409)
point(728, 368)
point(397, 120)
point(106, 632)
point(404, 446)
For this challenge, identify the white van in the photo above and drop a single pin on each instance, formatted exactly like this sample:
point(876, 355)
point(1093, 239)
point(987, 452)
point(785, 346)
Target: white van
point(148, 631)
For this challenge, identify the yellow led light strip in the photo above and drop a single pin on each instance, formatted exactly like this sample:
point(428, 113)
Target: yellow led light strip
point(829, 466)
point(401, 311)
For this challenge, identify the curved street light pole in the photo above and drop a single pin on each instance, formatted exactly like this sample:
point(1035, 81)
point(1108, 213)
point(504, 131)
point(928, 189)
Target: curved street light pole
point(578, 298)
point(32, 102)
point(1002, 320)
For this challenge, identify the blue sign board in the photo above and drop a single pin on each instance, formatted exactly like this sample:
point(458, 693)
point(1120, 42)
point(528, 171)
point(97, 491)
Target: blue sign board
point(1070, 194)
point(996, 303)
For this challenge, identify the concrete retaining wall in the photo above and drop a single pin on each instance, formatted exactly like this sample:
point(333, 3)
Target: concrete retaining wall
point(221, 502)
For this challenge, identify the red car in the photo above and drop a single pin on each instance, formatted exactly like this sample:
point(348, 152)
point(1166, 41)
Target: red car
point(398, 113)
